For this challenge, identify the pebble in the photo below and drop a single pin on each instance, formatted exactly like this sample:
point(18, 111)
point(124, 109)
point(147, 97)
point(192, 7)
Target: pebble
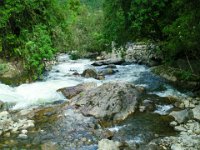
point(24, 131)
point(22, 136)
point(173, 123)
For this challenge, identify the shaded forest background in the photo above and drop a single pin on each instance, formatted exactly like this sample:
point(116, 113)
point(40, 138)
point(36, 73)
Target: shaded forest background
point(35, 30)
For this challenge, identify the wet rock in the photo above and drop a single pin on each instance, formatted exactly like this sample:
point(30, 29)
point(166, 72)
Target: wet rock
point(106, 144)
point(70, 92)
point(104, 134)
point(99, 58)
point(108, 62)
point(181, 116)
point(107, 71)
point(110, 101)
point(89, 73)
point(100, 77)
point(58, 102)
point(196, 112)
point(173, 123)
point(76, 74)
point(147, 105)
point(111, 66)
point(24, 131)
point(22, 136)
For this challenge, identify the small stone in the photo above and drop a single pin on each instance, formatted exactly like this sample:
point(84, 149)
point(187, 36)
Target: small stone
point(180, 128)
point(181, 106)
point(186, 103)
point(84, 139)
point(189, 131)
point(7, 134)
point(192, 105)
point(14, 131)
point(142, 108)
point(156, 135)
point(173, 123)
point(24, 131)
point(22, 136)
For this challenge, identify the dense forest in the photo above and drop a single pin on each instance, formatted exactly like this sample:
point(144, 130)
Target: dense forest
point(34, 31)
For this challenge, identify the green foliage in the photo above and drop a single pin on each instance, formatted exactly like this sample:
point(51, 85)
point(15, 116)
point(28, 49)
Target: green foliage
point(3, 68)
point(183, 34)
point(37, 48)
point(174, 25)
point(34, 30)
point(87, 31)
point(114, 22)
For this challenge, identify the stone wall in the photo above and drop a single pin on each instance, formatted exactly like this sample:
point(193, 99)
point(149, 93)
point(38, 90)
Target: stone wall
point(141, 53)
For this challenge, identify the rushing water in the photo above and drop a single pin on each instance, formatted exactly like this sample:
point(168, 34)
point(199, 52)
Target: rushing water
point(61, 75)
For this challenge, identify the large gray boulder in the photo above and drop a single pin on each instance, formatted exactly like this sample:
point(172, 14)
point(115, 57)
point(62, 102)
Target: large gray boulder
point(110, 101)
point(182, 116)
point(70, 92)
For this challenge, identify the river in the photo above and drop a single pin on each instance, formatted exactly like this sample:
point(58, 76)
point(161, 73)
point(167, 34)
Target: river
point(137, 129)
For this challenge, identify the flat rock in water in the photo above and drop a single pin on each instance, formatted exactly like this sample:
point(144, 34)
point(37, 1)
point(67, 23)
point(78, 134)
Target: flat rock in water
point(110, 101)
point(108, 62)
point(70, 92)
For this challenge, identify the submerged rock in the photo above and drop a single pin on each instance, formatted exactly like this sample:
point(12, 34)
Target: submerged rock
point(70, 92)
point(110, 101)
point(109, 62)
point(108, 71)
point(91, 73)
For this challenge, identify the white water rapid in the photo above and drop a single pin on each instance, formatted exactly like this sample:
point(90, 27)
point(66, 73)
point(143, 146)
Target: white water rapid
point(61, 75)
